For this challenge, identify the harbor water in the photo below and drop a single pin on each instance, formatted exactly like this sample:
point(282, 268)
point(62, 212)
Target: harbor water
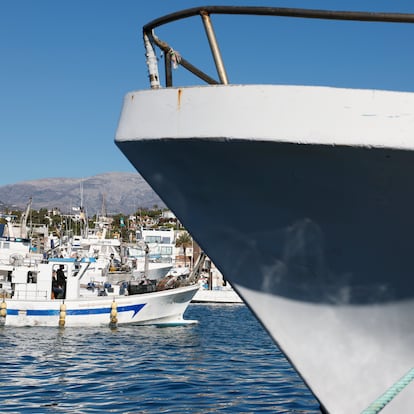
point(224, 363)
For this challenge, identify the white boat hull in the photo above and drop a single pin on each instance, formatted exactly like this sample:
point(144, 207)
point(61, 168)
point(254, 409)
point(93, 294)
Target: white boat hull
point(156, 308)
point(304, 202)
point(216, 296)
point(155, 271)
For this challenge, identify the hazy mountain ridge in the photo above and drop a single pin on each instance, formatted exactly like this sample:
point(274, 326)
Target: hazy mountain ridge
point(123, 193)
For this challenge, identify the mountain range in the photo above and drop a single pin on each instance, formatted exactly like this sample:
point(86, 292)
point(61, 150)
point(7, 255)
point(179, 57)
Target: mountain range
point(117, 192)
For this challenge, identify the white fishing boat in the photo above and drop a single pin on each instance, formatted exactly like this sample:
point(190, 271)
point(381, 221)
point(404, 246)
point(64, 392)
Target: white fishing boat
point(153, 253)
point(330, 275)
point(214, 288)
point(105, 251)
point(18, 241)
point(218, 294)
point(28, 298)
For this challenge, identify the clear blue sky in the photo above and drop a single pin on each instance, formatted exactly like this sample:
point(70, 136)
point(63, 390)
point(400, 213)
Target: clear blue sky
point(66, 65)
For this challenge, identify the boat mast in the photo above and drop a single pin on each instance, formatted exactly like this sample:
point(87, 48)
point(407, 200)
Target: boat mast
point(23, 220)
point(83, 222)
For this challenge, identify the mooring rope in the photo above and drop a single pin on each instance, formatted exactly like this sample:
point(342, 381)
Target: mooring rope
point(385, 398)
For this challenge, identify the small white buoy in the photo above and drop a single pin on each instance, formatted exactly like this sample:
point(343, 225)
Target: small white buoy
point(3, 312)
point(62, 314)
point(113, 315)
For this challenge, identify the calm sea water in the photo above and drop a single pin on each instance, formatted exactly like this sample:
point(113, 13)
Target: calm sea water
point(225, 363)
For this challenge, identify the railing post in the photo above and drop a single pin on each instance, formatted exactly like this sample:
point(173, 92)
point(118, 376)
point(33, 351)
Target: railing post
point(168, 71)
point(214, 47)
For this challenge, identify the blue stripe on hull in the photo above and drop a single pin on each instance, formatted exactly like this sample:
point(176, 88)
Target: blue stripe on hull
point(88, 311)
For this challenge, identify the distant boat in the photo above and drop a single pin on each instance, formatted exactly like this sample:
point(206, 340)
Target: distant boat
point(28, 298)
point(327, 175)
point(16, 241)
point(214, 288)
point(94, 243)
point(219, 294)
point(152, 254)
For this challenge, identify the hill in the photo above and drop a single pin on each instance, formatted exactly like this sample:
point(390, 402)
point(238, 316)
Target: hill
point(122, 192)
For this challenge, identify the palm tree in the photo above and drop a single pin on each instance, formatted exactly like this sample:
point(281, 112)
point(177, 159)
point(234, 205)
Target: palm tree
point(184, 241)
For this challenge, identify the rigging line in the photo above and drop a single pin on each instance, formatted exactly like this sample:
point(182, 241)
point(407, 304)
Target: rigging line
point(385, 398)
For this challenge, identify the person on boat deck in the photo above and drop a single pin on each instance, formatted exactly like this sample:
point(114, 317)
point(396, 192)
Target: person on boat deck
point(61, 279)
point(57, 290)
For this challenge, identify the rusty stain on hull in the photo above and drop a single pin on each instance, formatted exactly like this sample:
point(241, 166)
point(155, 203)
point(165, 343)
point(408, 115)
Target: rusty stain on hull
point(179, 91)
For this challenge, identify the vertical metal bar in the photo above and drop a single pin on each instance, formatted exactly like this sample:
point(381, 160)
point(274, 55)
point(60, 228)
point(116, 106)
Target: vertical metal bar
point(168, 71)
point(214, 47)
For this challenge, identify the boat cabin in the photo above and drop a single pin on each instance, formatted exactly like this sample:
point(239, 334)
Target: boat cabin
point(35, 282)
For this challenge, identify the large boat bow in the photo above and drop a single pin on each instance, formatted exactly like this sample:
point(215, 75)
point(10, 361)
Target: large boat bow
point(326, 265)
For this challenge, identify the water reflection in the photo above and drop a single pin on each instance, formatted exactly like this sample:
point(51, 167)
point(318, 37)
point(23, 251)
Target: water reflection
point(226, 362)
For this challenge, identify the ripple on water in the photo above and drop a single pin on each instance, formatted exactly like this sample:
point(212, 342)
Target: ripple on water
point(225, 363)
